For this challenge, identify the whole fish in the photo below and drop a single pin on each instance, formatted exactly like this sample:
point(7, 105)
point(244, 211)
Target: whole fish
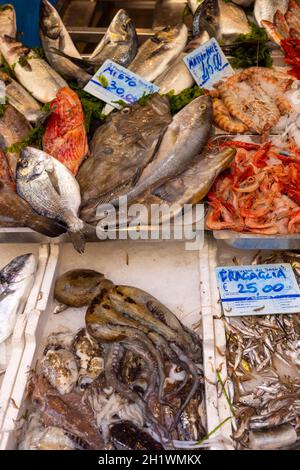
point(119, 44)
point(21, 100)
point(14, 128)
point(65, 136)
point(15, 212)
point(51, 190)
point(121, 148)
point(5, 176)
point(54, 35)
point(266, 9)
point(31, 71)
point(183, 141)
point(16, 280)
point(224, 21)
point(177, 77)
point(157, 53)
point(8, 24)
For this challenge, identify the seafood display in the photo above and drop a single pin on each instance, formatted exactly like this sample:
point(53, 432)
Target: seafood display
point(131, 379)
point(263, 369)
point(260, 192)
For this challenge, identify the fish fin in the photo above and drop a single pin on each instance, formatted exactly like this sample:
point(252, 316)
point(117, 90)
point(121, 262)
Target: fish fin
point(78, 240)
point(86, 65)
point(54, 180)
point(162, 193)
point(136, 176)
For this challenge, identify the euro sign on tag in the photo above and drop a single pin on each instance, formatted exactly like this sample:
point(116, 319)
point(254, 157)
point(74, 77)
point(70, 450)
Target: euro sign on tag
point(117, 85)
point(208, 64)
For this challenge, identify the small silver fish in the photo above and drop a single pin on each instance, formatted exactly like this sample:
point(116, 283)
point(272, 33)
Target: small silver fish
point(16, 280)
point(51, 190)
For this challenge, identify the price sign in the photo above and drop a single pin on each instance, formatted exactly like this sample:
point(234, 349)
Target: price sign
point(117, 85)
point(258, 289)
point(208, 64)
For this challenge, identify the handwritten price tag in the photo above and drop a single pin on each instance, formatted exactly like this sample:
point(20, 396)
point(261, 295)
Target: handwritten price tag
point(208, 64)
point(264, 289)
point(115, 85)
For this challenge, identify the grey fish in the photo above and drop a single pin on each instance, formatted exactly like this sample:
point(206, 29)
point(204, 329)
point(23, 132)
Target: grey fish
point(31, 71)
point(54, 35)
point(120, 149)
point(177, 77)
point(183, 141)
point(16, 280)
point(157, 53)
point(266, 9)
point(21, 100)
point(120, 44)
point(8, 25)
point(51, 190)
point(224, 21)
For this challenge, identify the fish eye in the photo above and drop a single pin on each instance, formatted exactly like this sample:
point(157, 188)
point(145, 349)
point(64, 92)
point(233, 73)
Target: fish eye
point(126, 110)
point(202, 107)
point(24, 163)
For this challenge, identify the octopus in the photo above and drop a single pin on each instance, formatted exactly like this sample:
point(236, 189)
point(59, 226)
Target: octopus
point(128, 319)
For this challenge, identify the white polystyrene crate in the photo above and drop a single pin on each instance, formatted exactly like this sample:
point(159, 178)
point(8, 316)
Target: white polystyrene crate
point(16, 343)
point(165, 270)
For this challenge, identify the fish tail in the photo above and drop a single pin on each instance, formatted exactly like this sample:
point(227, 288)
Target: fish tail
point(77, 235)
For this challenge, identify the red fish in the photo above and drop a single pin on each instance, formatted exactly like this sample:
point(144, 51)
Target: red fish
point(65, 136)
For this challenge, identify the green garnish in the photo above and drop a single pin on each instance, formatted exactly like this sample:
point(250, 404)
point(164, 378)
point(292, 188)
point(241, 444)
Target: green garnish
point(39, 51)
point(121, 103)
point(250, 50)
point(2, 109)
point(5, 68)
point(92, 106)
point(23, 60)
point(144, 100)
point(103, 81)
point(177, 102)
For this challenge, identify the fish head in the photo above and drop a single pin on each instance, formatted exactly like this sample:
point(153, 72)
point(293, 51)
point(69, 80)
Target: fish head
point(12, 50)
point(18, 269)
point(171, 34)
point(200, 108)
point(121, 27)
point(31, 164)
point(50, 22)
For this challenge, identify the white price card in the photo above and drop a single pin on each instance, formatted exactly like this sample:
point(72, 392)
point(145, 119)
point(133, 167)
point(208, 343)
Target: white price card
point(264, 289)
point(116, 85)
point(208, 64)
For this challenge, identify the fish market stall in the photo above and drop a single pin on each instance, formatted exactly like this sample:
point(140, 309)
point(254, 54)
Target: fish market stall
point(112, 342)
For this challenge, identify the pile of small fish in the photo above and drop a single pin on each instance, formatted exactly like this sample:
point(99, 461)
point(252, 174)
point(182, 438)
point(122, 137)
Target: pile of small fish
point(252, 100)
point(16, 281)
point(132, 379)
point(264, 373)
point(260, 194)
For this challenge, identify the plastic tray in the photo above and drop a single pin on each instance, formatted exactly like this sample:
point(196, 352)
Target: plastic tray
point(167, 271)
point(16, 343)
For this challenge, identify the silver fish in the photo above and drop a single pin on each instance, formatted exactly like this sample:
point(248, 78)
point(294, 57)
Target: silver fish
point(266, 9)
point(31, 71)
point(54, 35)
point(51, 190)
point(16, 280)
point(225, 21)
point(8, 25)
point(184, 139)
point(157, 53)
point(21, 100)
point(177, 77)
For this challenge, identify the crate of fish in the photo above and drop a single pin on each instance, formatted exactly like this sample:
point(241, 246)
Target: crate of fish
point(21, 275)
point(115, 351)
point(256, 362)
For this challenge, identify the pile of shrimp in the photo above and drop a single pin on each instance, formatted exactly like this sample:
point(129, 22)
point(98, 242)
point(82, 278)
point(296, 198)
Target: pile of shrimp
point(252, 100)
point(260, 193)
point(284, 26)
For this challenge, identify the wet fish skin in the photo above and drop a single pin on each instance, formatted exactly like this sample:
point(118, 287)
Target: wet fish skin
point(120, 42)
point(157, 53)
point(54, 35)
point(15, 212)
point(21, 100)
point(16, 280)
point(65, 135)
point(51, 190)
point(120, 148)
point(182, 142)
point(31, 71)
point(13, 128)
point(8, 24)
point(266, 9)
point(177, 77)
point(207, 18)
